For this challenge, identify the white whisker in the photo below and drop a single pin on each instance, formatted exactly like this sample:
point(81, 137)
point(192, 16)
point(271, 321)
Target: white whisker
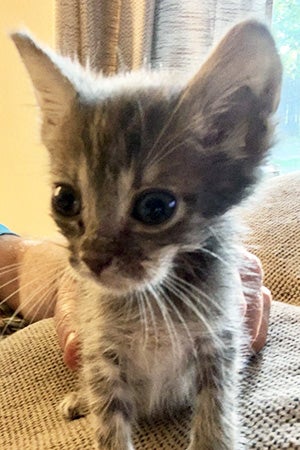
point(186, 300)
point(144, 319)
point(196, 293)
point(175, 344)
point(33, 299)
point(10, 268)
point(152, 316)
point(178, 314)
point(165, 128)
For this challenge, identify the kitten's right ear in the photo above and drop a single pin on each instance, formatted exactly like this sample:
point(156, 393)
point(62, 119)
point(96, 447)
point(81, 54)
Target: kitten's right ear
point(54, 91)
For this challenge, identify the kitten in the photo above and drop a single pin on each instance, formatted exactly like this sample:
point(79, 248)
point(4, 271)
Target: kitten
point(145, 169)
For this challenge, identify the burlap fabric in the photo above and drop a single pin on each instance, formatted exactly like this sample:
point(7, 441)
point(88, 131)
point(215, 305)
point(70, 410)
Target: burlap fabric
point(273, 217)
point(33, 378)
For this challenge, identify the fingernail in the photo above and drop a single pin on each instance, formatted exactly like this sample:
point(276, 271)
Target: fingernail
point(70, 338)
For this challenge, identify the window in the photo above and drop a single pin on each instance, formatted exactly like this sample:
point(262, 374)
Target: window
point(286, 29)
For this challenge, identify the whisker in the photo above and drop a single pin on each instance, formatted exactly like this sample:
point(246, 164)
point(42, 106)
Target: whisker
point(190, 305)
point(197, 293)
point(178, 314)
point(215, 255)
point(152, 316)
point(144, 319)
point(18, 310)
point(12, 280)
point(10, 267)
point(184, 134)
point(32, 300)
point(11, 325)
point(165, 127)
point(167, 319)
point(29, 283)
point(129, 305)
point(160, 155)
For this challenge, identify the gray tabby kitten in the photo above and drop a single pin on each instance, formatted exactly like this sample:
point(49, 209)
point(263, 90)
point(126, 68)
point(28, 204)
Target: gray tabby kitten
point(145, 169)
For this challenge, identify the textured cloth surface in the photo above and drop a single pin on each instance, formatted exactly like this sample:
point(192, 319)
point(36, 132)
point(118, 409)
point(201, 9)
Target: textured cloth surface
point(273, 217)
point(33, 380)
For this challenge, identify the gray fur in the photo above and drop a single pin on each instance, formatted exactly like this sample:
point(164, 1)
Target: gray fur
point(159, 310)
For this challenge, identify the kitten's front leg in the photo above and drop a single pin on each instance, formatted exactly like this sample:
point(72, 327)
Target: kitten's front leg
point(110, 402)
point(215, 423)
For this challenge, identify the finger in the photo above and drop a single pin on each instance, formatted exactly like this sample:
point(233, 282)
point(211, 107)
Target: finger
point(65, 322)
point(254, 315)
point(262, 332)
point(71, 351)
point(251, 272)
point(63, 316)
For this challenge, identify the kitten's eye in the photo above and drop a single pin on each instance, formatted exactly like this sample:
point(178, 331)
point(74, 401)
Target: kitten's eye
point(66, 201)
point(154, 207)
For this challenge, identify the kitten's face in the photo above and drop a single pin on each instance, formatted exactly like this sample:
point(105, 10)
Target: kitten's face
point(142, 164)
point(125, 188)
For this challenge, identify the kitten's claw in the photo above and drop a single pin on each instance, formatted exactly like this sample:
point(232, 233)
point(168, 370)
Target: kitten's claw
point(72, 407)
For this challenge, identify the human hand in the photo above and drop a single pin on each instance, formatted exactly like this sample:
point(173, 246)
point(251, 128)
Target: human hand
point(258, 300)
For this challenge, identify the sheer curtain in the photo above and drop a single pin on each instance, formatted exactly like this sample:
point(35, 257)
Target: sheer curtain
point(114, 35)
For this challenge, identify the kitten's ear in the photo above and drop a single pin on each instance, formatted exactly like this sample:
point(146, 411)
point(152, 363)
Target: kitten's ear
point(228, 104)
point(243, 74)
point(53, 89)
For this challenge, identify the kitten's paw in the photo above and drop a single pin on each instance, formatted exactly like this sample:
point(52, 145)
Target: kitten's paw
point(73, 406)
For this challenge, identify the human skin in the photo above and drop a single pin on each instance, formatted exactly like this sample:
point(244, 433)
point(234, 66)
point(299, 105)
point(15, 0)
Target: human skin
point(34, 280)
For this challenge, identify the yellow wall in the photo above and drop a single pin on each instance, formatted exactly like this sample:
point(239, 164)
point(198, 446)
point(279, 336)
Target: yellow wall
point(24, 191)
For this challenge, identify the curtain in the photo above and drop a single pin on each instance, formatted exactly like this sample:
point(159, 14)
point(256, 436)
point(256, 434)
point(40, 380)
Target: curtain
point(113, 35)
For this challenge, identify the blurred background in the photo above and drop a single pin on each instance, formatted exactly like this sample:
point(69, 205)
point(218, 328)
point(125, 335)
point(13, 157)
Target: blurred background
point(24, 192)
point(286, 28)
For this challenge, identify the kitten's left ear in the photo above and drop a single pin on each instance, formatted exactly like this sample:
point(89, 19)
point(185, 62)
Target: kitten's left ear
point(228, 105)
point(241, 78)
point(246, 56)
point(54, 91)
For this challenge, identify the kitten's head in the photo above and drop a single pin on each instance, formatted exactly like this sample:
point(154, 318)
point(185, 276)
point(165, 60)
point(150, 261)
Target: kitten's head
point(142, 163)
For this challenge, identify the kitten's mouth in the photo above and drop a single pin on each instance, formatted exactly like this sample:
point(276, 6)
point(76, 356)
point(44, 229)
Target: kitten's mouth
point(123, 275)
point(112, 275)
point(119, 284)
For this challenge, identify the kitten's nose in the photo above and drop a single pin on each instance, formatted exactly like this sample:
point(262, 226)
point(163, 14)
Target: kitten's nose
point(97, 264)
